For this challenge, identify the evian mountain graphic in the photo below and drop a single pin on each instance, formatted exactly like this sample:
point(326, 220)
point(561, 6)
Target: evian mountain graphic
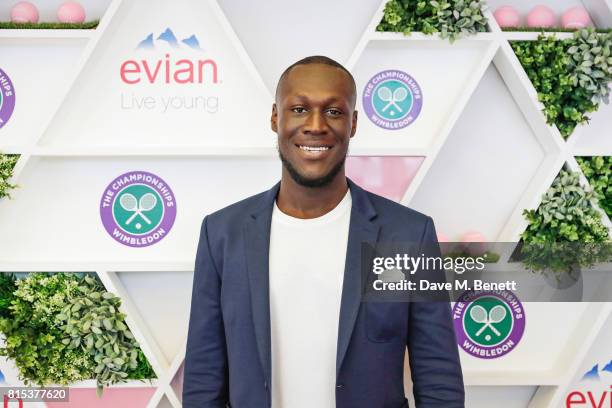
point(170, 39)
point(594, 373)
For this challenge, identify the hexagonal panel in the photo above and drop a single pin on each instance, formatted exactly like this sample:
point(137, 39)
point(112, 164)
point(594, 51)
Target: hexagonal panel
point(72, 189)
point(181, 79)
point(308, 28)
point(441, 71)
point(495, 160)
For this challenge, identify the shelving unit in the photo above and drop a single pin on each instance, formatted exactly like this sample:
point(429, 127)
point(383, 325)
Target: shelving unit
point(79, 145)
point(46, 35)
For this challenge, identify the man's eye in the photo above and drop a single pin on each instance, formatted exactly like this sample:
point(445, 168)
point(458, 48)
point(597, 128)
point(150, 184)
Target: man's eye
point(298, 109)
point(334, 112)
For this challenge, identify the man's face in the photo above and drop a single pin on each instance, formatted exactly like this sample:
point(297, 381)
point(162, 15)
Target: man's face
point(314, 117)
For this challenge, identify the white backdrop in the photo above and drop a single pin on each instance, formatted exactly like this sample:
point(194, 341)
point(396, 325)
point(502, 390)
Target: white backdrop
point(488, 154)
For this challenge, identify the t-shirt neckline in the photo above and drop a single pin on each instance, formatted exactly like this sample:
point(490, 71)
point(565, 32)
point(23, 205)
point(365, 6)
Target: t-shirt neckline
point(336, 212)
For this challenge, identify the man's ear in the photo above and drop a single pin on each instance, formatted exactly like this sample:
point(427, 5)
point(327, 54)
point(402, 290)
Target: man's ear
point(354, 126)
point(274, 119)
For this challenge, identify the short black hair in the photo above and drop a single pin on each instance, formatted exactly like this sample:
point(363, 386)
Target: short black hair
point(316, 59)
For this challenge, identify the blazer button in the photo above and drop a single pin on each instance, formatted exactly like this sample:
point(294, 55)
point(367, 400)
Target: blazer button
point(340, 386)
point(266, 385)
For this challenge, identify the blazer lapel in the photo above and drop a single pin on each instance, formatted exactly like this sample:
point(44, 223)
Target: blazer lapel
point(361, 229)
point(257, 242)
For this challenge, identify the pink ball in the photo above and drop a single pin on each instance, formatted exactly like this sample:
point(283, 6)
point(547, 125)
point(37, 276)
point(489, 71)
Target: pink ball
point(507, 16)
point(442, 237)
point(71, 12)
point(445, 246)
point(575, 17)
point(24, 12)
point(541, 16)
point(475, 243)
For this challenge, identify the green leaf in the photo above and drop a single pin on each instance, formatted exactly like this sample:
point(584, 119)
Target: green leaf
point(108, 325)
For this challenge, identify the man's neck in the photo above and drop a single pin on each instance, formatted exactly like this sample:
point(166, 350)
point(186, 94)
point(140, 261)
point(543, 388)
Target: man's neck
point(310, 202)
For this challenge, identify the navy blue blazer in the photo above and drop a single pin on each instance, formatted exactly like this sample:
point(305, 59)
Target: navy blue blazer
point(228, 363)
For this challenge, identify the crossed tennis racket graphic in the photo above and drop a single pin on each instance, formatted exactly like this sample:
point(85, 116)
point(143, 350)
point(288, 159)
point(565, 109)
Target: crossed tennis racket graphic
point(494, 316)
point(392, 98)
point(146, 203)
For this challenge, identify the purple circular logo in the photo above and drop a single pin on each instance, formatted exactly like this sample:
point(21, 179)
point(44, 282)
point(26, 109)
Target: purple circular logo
point(138, 209)
point(392, 99)
point(7, 98)
point(488, 324)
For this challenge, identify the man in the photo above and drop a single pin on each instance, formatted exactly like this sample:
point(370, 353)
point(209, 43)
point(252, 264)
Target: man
point(277, 319)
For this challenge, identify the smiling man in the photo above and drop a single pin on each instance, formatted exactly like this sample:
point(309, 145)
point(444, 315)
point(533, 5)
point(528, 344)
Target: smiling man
point(277, 318)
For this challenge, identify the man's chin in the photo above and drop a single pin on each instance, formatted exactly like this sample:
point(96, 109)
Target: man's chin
point(312, 182)
point(309, 180)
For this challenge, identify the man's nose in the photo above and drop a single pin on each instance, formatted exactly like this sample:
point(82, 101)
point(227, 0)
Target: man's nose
point(316, 122)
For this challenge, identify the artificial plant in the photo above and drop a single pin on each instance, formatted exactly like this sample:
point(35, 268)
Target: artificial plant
point(565, 233)
point(7, 163)
point(598, 170)
point(449, 18)
point(62, 328)
point(572, 76)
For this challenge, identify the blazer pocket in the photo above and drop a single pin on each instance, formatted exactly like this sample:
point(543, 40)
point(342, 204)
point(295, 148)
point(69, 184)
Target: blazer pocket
point(385, 321)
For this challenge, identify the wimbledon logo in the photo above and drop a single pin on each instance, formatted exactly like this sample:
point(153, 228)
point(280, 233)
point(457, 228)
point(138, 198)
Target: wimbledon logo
point(488, 324)
point(392, 99)
point(138, 209)
point(7, 98)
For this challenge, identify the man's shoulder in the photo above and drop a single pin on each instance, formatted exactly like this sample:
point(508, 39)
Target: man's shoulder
point(236, 213)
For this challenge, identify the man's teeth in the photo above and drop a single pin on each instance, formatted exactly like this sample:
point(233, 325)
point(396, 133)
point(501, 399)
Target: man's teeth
point(315, 148)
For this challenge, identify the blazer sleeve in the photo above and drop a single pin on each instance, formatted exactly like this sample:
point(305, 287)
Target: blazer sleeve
point(432, 346)
point(205, 383)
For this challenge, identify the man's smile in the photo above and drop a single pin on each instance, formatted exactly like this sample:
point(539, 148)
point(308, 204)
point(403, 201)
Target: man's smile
point(314, 151)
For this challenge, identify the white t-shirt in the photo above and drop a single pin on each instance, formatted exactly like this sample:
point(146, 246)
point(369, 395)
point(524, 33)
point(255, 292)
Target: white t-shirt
point(306, 274)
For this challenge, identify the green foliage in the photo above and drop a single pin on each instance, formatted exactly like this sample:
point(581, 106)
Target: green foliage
point(32, 338)
point(143, 368)
point(48, 26)
point(7, 287)
point(450, 18)
point(571, 76)
point(591, 63)
point(565, 232)
point(91, 321)
point(598, 170)
point(565, 214)
point(7, 163)
point(64, 328)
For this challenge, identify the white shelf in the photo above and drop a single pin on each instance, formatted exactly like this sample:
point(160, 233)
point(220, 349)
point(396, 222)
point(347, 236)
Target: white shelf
point(13, 149)
point(46, 34)
point(153, 151)
point(149, 383)
point(189, 151)
point(51, 265)
point(532, 36)
point(418, 37)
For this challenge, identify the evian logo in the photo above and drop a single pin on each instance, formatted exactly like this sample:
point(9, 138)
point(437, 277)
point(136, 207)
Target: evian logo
point(169, 38)
point(167, 60)
point(596, 391)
